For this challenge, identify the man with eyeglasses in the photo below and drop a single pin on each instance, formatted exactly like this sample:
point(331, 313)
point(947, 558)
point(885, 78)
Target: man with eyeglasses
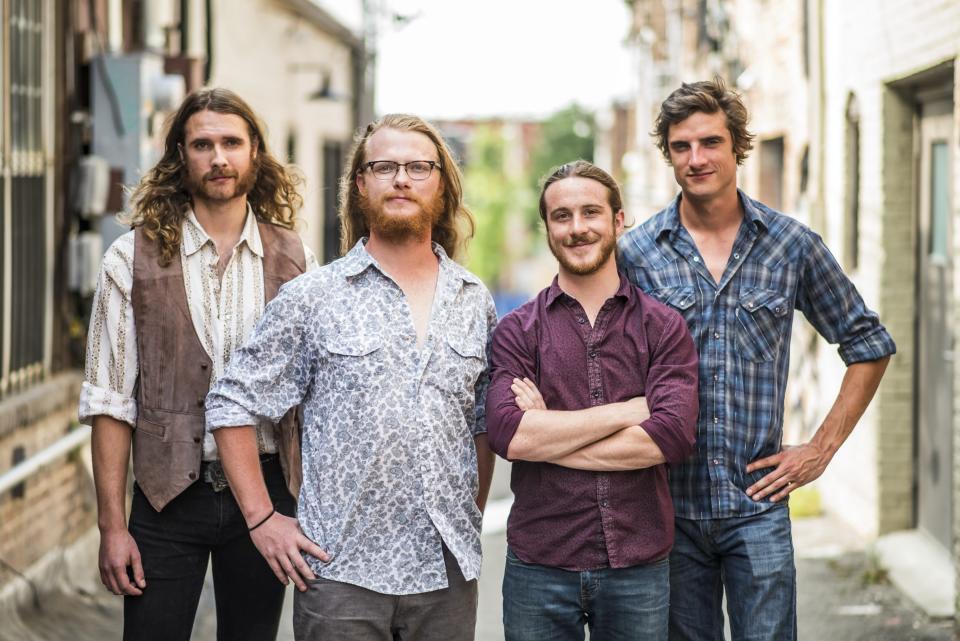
point(385, 351)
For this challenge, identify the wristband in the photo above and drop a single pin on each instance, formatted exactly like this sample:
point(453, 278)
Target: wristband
point(265, 519)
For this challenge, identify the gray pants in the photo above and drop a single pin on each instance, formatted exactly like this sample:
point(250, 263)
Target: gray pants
point(334, 611)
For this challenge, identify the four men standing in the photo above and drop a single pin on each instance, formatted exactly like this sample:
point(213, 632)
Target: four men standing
point(593, 392)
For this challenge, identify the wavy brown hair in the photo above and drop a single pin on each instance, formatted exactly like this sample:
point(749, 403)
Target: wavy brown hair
point(160, 202)
point(709, 97)
point(455, 225)
point(583, 169)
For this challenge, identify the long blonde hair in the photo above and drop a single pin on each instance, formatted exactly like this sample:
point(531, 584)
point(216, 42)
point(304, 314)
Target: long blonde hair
point(447, 231)
point(161, 200)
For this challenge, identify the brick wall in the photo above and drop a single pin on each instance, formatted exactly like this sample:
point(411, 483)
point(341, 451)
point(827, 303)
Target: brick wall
point(58, 503)
point(895, 455)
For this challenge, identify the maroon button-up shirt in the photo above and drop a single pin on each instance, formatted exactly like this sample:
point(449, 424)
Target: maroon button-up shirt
point(576, 519)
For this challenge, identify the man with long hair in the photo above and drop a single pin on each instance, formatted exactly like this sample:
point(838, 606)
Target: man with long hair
point(386, 350)
point(737, 270)
point(573, 372)
point(211, 244)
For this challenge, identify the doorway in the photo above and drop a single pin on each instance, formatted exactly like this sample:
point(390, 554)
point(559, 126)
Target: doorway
point(935, 335)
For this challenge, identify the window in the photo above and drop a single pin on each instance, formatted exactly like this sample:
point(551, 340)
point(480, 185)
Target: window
point(851, 200)
point(939, 200)
point(771, 173)
point(25, 227)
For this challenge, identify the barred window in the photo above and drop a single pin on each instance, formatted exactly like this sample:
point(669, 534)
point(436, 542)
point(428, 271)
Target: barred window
point(25, 226)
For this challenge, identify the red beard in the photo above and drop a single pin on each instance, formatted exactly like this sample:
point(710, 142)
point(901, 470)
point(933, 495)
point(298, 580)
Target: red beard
point(395, 227)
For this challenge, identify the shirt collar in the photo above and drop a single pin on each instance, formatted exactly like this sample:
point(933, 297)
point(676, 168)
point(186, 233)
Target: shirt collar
point(194, 236)
point(754, 212)
point(670, 221)
point(357, 260)
point(624, 291)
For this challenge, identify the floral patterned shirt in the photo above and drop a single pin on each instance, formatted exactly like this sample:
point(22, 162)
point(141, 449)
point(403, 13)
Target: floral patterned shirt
point(389, 460)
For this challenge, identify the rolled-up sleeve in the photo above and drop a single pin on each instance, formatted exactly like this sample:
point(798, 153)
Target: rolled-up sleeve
point(832, 304)
point(510, 357)
point(274, 370)
point(672, 391)
point(111, 365)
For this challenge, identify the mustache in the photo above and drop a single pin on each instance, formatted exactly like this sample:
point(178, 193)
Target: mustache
point(219, 173)
point(574, 240)
point(382, 200)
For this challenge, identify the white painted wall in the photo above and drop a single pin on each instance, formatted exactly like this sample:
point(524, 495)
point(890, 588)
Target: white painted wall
point(274, 61)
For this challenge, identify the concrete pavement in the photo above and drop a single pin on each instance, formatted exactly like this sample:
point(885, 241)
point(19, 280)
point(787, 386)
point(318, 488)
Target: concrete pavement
point(843, 594)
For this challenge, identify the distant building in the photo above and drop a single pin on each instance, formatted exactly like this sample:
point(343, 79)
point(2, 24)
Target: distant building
point(303, 72)
point(517, 140)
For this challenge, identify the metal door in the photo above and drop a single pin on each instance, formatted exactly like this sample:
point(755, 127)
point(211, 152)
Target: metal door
point(935, 336)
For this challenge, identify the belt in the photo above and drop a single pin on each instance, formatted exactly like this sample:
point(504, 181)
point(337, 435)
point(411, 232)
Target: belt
point(212, 471)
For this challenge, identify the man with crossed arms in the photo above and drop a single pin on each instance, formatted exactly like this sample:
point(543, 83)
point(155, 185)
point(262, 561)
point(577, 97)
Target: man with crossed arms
point(592, 523)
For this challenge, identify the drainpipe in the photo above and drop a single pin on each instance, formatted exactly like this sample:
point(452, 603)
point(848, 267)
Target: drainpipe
point(208, 24)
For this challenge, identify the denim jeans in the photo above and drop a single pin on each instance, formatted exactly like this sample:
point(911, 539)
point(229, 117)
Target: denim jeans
point(618, 604)
point(751, 558)
point(176, 545)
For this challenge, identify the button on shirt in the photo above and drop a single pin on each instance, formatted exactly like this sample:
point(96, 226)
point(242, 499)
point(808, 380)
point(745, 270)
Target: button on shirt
point(742, 328)
point(578, 519)
point(389, 461)
point(224, 311)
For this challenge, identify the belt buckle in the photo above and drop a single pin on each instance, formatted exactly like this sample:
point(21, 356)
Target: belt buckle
point(214, 475)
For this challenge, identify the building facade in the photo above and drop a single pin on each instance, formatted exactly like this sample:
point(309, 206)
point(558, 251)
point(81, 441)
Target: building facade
point(85, 86)
point(856, 108)
point(303, 72)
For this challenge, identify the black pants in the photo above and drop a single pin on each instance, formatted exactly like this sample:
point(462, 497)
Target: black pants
point(175, 546)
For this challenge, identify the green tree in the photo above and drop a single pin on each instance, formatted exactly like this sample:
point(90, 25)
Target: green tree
point(565, 136)
point(496, 197)
point(489, 193)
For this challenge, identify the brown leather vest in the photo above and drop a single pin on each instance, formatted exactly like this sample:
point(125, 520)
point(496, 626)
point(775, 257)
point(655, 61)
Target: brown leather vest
point(175, 370)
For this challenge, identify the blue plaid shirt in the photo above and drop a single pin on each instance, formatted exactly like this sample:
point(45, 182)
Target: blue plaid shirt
point(742, 327)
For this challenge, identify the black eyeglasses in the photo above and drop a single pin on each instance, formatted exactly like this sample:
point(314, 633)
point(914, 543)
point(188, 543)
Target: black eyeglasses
point(416, 169)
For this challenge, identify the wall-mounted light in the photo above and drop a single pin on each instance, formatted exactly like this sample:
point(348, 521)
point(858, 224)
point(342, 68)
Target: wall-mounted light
point(324, 90)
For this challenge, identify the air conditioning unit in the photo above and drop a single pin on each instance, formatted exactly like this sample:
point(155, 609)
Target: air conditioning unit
point(83, 266)
point(93, 186)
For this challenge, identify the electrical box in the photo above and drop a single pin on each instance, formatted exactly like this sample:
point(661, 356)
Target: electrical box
point(93, 186)
point(131, 96)
point(83, 262)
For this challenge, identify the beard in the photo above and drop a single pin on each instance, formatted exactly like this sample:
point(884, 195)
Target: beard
point(200, 188)
point(395, 227)
point(604, 250)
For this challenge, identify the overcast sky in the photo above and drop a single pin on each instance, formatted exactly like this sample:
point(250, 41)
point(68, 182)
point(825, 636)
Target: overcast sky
point(456, 58)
